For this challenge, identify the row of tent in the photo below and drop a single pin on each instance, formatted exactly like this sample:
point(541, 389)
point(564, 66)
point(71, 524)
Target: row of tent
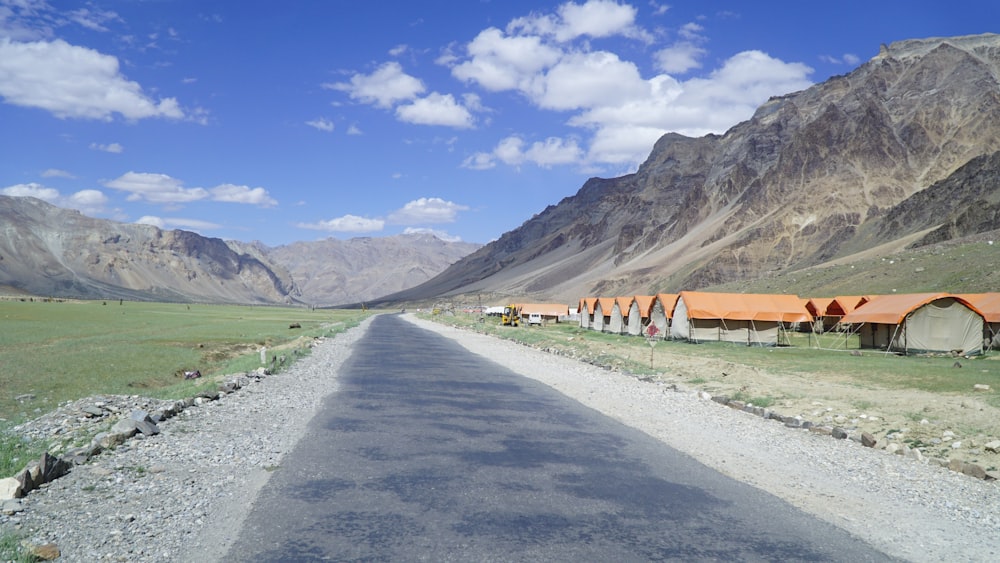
point(905, 323)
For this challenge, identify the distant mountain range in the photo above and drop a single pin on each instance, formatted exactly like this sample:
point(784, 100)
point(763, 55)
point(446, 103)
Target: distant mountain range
point(900, 152)
point(50, 251)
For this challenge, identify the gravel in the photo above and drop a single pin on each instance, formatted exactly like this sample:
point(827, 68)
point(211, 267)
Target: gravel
point(181, 495)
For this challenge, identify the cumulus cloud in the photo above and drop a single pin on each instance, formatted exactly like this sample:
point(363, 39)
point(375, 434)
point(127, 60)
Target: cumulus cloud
point(74, 82)
point(346, 224)
point(547, 60)
point(230, 193)
point(321, 123)
point(426, 210)
point(384, 87)
point(161, 188)
point(85, 201)
point(155, 188)
point(113, 148)
point(514, 151)
point(436, 109)
point(846, 59)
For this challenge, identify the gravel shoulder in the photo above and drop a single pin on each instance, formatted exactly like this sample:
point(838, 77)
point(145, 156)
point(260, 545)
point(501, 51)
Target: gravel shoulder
point(182, 495)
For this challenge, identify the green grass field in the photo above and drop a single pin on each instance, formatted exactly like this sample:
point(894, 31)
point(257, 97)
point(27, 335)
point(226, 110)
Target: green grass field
point(51, 352)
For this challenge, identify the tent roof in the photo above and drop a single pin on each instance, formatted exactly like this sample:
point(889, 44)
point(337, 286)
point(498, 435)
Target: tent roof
point(892, 309)
point(844, 304)
point(817, 306)
point(624, 303)
point(547, 309)
point(745, 306)
point(589, 302)
point(668, 301)
point(606, 304)
point(987, 303)
point(645, 303)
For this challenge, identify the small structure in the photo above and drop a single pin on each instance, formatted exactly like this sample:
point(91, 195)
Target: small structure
point(602, 313)
point(548, 312)
point(637, 318)
point(989, 305)
point(912, 323)
point(751, 319)
point(619, 312)
point(587, 311)
point(661, 312)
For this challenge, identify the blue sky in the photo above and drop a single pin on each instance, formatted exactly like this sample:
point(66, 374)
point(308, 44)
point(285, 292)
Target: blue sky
point(290, 121)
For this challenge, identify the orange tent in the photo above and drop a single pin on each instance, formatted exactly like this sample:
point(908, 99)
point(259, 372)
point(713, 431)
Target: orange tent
point(661, 311)
point(919, 322)
point(602, 313)
point(587, 311)
point(754, 319)
point(638, 314)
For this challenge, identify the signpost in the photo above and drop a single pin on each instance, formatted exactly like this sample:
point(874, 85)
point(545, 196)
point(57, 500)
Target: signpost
point(651, 332)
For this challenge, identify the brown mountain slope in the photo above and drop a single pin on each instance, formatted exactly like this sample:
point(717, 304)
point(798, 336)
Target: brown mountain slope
point(49, 251)
point(335, 272)
point(798, 184)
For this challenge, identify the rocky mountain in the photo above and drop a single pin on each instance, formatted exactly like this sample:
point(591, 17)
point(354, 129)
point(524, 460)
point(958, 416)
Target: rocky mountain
point(899, 151)
point(333, 272)
point(49, 251)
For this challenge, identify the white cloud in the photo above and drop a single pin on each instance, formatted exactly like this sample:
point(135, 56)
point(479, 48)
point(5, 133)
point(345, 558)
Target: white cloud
point(230, 193)
point(74, 82)
point(435, 109)
point(93, 20)
point(398, 50)
point(584, 80)
point(847, 59)
point(86, 201)
point(443, 235)
point(426, 210)
point(595, 18)
point(383, 88)
point(354, 130)
point(32, 189)
point(321, 123)
point(113, 148)
point(196, 225)
point(499, 62)
point(155, 188)
point(346, 224)
point(512, 151)
point(57, 173)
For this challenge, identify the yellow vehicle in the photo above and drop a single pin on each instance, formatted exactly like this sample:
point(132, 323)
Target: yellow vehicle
point(510, 316)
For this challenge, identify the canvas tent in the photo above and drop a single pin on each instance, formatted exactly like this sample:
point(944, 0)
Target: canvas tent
point(919, 322)
point(587, 311)
point(752, 319)
point(602, 313)
point(638, 314)
point(616, 322)
point(817, 308)
point(989, 305)
point(661, 311)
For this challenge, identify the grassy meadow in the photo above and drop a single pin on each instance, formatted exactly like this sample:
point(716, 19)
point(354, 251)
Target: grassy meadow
point(56, 351)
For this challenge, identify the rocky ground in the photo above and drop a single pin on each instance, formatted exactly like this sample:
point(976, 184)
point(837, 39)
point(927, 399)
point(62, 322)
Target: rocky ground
point(179, 495)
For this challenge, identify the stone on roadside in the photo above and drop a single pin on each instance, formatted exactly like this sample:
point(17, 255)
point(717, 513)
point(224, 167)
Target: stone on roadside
point(10, 488)
point(867, 440)
point(992, 447)
point(981, 387)
point(10, 507)
point(125, 426)
point(974, 470)
point(45, 552)
point(148, 428)
point(839, 433)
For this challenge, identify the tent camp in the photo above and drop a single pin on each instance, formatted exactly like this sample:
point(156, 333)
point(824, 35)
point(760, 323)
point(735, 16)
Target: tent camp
point(661, 311)
point(751, 319)
point(587, 311)
point(989, 305)
point(638, 314)
point(919, 322)
point(602, 313)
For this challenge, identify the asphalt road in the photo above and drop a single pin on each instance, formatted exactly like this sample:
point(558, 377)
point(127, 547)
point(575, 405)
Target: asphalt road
point(430, 453)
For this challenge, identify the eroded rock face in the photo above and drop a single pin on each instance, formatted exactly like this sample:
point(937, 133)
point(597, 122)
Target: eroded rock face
point(811, 176)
